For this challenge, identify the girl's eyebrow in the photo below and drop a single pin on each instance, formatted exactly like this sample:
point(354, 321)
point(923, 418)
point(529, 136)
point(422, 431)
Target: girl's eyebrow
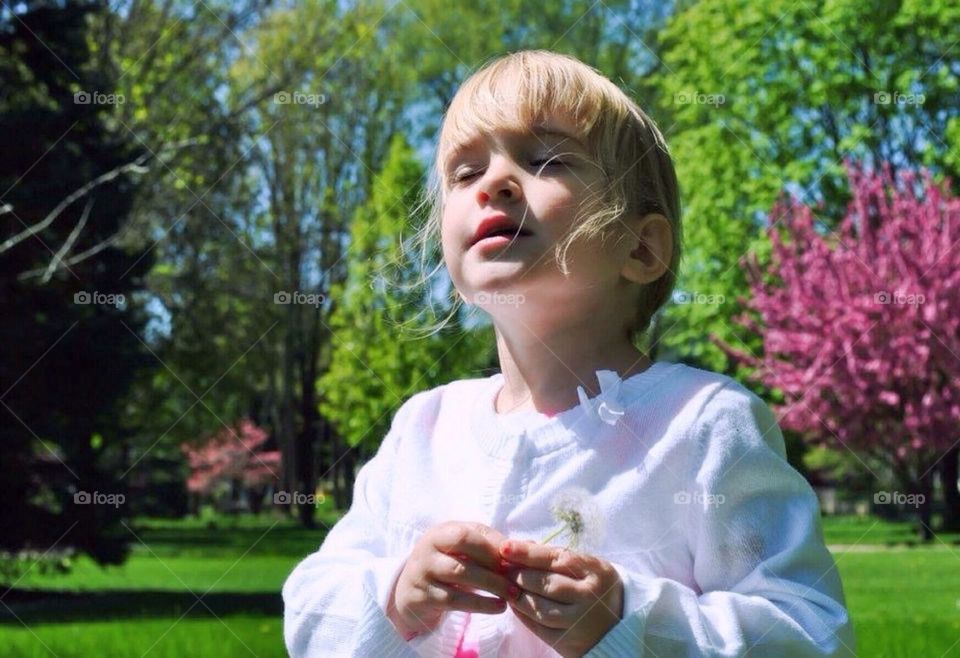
point(539, 132)
point(546, 131)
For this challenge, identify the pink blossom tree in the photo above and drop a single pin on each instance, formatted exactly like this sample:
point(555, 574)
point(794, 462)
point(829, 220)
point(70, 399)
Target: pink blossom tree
point(861, 328)
point(230, 458)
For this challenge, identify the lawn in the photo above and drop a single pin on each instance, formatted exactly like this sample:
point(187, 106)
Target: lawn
point(152, 606)
point(905, 601)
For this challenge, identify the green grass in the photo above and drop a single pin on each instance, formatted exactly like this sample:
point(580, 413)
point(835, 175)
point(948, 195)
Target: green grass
point(149, 605)
point(234, 636)
point(904, 601)
point(871, 530)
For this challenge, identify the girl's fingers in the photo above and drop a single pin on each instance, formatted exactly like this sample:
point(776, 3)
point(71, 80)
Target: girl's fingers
point(478, 542)
point(464, 573)
point(450, 597)
point(551, 636)
point(544, 557)
point(554, 586)
point(544, 612)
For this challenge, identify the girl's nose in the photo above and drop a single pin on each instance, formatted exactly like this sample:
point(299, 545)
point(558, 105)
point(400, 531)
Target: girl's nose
point(499, 182)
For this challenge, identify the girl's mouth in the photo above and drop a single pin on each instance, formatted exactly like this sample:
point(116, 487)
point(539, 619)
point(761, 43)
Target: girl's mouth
point(496, 227)
point(501, 239)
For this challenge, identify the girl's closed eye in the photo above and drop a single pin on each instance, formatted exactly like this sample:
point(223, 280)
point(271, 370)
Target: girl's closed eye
point(550, 161)
point(539, 164)
point(464, 176)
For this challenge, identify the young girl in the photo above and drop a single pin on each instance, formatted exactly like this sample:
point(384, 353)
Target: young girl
point(690, 535)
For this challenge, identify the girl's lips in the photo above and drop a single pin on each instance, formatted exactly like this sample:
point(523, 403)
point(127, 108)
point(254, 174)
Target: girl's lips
point(495, 241)
point(498, 223)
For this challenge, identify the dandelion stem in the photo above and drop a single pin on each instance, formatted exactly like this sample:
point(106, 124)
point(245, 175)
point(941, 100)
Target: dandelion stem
point(553, 534)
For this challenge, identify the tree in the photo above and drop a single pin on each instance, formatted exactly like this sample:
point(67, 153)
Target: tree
point(308, 154)
point(233, 458)
point(444, 46)
point(71, 345)
point(774, 95)
point(378, 359)
point(859, 327)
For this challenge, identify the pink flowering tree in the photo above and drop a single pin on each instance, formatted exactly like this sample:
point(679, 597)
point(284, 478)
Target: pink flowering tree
point(861, 330)
point(231, 459)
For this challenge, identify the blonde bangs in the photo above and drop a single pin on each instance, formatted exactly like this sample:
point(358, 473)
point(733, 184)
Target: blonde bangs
point(519, 93)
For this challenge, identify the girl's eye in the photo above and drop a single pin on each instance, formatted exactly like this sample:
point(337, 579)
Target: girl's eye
point(465, 176)
point(547, 162)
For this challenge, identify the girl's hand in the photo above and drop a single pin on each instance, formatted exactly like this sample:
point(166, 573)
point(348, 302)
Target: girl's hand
point(569, 600)
point(448, 563)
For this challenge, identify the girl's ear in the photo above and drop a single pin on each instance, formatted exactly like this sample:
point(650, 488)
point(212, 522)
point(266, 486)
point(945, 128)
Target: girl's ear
point(650, 240)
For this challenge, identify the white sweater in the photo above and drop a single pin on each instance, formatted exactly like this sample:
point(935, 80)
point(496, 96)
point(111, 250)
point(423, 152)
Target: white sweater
point(716, 537)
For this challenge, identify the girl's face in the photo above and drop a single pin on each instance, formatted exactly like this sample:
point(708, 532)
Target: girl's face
point(537, 178)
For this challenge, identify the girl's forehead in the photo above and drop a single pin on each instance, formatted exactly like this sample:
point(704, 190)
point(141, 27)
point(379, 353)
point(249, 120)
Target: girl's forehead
point(537, 132)
point(547, 129)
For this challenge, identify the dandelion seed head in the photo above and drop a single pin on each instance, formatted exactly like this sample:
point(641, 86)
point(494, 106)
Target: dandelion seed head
point(575, 508)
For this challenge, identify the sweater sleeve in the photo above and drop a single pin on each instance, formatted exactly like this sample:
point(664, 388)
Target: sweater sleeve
point(766, 585)
point(335, 600)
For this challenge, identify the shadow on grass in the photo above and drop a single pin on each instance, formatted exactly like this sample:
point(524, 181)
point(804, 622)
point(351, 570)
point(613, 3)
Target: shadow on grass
point(215, 541)
point(34, 606)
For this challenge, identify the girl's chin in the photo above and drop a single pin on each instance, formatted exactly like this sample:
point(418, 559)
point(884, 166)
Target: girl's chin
point(492, 299)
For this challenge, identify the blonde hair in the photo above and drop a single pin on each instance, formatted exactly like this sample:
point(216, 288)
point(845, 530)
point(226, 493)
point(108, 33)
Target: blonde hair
point(526, 89)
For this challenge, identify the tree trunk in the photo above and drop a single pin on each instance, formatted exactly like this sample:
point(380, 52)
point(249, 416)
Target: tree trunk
point(925, 506)
point(349, 475)
point(306, 477)
point(339, 496)
point(309, 413)
point(255, 498)
point(325, 434)
point(948, 468)
point(344, 475)
point(288, 437)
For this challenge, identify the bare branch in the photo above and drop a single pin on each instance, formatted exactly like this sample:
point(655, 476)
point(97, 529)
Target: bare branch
point(135, 167)
point(68, 244)
point(79, 258)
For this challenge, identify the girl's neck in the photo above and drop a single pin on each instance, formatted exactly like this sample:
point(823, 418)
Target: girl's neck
point(539, 380)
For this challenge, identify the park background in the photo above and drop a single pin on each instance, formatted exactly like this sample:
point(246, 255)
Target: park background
point(207, 322)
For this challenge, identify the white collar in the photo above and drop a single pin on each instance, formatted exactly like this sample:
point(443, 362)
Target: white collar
point(609, 404)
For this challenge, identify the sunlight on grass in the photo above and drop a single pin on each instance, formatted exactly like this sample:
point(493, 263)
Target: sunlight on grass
point(904, 602)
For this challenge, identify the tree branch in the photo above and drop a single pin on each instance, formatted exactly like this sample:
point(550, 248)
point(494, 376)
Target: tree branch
point(68, 244)
point(135, 166)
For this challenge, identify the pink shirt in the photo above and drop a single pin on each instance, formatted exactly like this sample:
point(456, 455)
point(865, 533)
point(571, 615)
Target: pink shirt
point(467, 648)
